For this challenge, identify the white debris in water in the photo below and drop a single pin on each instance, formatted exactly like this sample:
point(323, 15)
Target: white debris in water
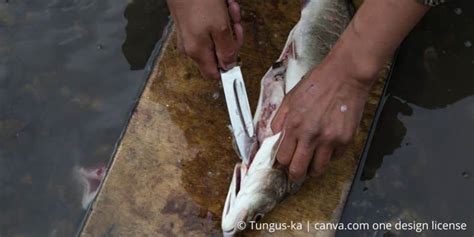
point(458, 11)
point(468, 44)
point(215, 95)
point(343, 108)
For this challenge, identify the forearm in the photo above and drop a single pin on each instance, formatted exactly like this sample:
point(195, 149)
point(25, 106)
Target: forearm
point(373, 35)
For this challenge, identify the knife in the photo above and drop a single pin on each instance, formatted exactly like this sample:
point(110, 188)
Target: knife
point(239, 111)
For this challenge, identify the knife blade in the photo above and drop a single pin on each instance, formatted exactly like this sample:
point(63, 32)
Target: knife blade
point(239, 111)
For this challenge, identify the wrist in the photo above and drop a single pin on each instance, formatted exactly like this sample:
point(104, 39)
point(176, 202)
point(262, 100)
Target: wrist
point(373, 35)
point(351, 57)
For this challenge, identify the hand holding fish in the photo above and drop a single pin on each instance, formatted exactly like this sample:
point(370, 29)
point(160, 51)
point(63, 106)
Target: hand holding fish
point(206, 30)
point(319, 115)
point(322, 112)
point(339, 59)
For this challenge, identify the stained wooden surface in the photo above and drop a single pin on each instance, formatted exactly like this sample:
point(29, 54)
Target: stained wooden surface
point(173, 167)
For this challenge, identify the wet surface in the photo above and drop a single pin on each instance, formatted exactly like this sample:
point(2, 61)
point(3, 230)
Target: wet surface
point(419, 164)
point(70, 74)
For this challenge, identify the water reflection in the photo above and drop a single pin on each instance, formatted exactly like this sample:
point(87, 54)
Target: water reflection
point(418, 165)
point(142, 31)
point(66, 92)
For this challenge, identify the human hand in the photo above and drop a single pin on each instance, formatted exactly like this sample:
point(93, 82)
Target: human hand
point(319, 115)
point(324, 110)
point(206, 30)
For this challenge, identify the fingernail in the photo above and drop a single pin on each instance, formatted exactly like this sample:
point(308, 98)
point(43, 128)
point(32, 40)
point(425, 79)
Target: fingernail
point(229, 66)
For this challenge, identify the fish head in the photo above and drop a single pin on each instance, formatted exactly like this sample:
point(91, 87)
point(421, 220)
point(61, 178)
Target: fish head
point(253, 200)
point(254, 190)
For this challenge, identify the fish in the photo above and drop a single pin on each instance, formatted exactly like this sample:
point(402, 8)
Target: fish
point(89, 179)
point(260, 183)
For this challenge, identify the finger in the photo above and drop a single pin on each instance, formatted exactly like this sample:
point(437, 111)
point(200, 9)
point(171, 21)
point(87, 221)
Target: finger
point(234, 12)
point(300, 161)
point(207, 64)
point(280, 116)
point(239, 35)
point(225, 46)
point(286, 149)
point(320, 161)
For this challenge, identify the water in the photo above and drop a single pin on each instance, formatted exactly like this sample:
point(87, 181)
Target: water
point(419, 163)
point(70, 74)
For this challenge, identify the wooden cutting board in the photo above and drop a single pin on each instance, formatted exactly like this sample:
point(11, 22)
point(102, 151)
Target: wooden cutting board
point(173, 167)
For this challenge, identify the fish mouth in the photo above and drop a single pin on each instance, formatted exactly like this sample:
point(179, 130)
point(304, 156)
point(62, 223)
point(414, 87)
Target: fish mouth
point(244, 199)
point(233, 190)
point(238, 225)
point(230, 221)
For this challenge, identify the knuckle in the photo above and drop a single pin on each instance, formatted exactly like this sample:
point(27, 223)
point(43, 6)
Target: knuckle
point(345, 138)
point(329, 135)
point(314, 130)
point(191, 49)
point(308, 138)
point(293, 123)
point(228, 55)
point(334, 135)
point(296, 173)
point(221, 29)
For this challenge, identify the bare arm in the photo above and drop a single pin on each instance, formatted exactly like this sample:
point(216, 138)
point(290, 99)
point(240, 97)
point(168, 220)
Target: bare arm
point(318, 121)
point(375, 32)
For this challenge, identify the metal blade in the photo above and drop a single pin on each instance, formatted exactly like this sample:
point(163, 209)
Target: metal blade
point(239, 111)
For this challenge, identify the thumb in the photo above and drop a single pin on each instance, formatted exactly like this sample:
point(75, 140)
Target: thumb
point(234, 12)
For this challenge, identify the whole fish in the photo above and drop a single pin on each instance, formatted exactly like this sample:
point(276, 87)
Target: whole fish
point(259, 183)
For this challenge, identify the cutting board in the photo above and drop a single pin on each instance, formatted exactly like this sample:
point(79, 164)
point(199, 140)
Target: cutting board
point(172, 169)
